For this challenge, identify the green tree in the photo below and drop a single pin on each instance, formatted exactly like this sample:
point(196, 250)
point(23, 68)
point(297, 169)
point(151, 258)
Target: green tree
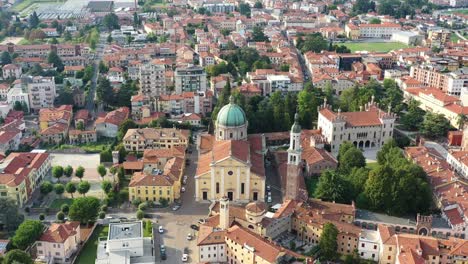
point(59, 189)
point(101, 170)
point(136, 20)
point(5, 58)
point(55, 60)
point(41, 217)
point(68, 171)
point(27, 233)
point(46, 187)
point(65, 208)
point(331, 187)
point(258, 4)
point(80, 172)
point(54, 41)
point(461, 120)
point(363, 6)
point(328, 243)
point(83, 187)
point(106, 186)
point(104, 91)
point(244, 9)
point(111, 21)
point(84, 209)
point(413, 118)
point(284, 68)
point(435, 125)
point(375, 21)
point(352, 158)
point(17, 256)
point(140, 214)
point(33, 20)
point(109, 39)
point(68, 36)
point(17, 106)
point(60, 216)
point(70, 188)
point(258, 35)
point(313, 42)
point(57, 172)
point(124, 127)
point(11, 218)
point(80, 126)
point(386, 147)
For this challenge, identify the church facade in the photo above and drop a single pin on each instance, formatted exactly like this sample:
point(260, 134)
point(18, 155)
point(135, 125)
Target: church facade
point(230, 165)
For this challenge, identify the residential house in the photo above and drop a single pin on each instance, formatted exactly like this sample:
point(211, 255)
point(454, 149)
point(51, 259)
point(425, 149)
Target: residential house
point(59, 242)
point(107, 125)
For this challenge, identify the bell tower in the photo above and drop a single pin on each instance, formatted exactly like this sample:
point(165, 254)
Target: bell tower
point(294, 171)
point(224, 213)
point(295, 150)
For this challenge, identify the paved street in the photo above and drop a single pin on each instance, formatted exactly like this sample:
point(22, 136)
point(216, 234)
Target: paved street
point(177, 224)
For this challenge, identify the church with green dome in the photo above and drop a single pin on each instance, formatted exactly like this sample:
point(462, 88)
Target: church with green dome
point(231, 122)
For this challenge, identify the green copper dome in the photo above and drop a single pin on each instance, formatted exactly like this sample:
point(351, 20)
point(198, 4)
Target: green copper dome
point(231, 115)
point(296, 128)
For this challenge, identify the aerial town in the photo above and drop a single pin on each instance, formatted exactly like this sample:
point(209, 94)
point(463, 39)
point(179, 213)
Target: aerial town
point(233, 131)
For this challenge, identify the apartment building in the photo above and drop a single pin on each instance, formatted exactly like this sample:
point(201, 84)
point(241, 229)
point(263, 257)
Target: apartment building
point(154, 184)
point(366, 129)
point(12, 71)
point(188, 102)
point(435, 101)
point(140, 103)
point(438, 37)
point(211, 245)
point(219, 7)
point(41, 91)
point(54, 123)
point(451, 83)
point(152, 79)
point(190, 79)
point(21, 174)
point(81, 137)
point(155, 138)
point(59, 242)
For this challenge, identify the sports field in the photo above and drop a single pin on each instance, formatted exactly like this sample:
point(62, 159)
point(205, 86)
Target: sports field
point(375, 46)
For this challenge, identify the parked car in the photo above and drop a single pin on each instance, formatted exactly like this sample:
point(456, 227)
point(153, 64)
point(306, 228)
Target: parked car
point(182, 189)
point(162, 250)
point(269, 200)
point(186, 250)
point(160, 230)
point(268, 188)
point(184, 258)
point(194, 227)
point(176, 207)
point(201, 221)
point(189, 237)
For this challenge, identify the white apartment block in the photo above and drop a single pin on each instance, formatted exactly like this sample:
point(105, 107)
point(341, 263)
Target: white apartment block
point(369, 245)
point(11, 71)
point(152, 79)
point(280, 83)
point(451, 83)
point(368, 129)
point(213, 252)
point(41, 91)
point(17, 94)
point(379, 31)
point(190, 79)
point(125, 244)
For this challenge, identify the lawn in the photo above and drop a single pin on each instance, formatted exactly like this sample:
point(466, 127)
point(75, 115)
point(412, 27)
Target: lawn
point(454, 38)
point(57, 203)
point(375, 46)
point(311, 184)
point(372, 165)
point(461, 11)
point(89, 252)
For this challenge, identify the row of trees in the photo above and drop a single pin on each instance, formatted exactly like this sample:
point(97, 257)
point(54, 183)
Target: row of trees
point(395, 186)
